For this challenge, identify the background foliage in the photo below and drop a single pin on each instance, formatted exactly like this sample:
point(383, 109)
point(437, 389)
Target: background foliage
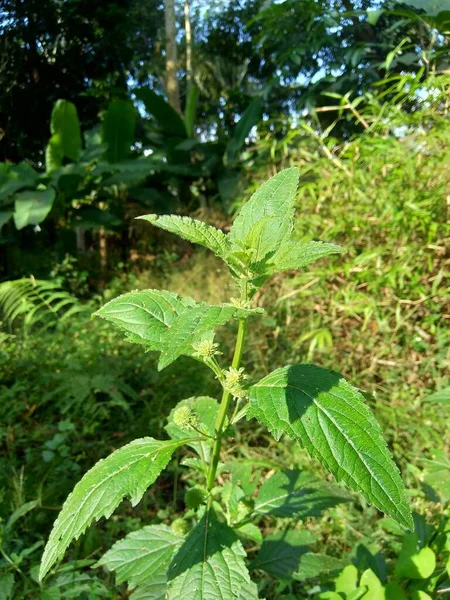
point(356, 94)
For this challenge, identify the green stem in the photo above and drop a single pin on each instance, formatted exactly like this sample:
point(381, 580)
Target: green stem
point(225, 406)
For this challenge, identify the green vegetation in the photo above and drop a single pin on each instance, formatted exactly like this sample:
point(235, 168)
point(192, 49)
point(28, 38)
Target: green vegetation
point(352, 96)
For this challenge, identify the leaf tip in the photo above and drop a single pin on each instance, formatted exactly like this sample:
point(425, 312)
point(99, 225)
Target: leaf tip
point(150, 218)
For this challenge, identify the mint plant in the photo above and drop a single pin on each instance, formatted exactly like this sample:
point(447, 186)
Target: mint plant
point(202, 556)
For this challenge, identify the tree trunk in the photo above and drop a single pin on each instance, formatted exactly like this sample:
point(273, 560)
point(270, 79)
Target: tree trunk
point(173, 93)
point(188, 31)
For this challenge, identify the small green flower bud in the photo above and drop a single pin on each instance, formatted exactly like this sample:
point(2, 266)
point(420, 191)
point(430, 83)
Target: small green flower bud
point(195, 497)
point(180, 527)
point(184, 417)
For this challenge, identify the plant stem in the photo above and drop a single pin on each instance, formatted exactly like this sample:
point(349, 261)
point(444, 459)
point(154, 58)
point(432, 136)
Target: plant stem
point(225, 405)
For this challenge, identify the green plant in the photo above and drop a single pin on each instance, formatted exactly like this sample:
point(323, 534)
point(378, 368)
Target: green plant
point(421, 567)
point(203, 554)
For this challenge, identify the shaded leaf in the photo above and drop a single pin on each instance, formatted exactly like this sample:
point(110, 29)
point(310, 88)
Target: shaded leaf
point(248, 120)
point(118, 130)
point(168, 118)
point(142, 558)
point(209, 565)
point(314, 565)
point(415, 562)
point(32, 207)
point(282, 551)
point(441, 397)
point(126, 472)
point(329, 418)
point(296, 494)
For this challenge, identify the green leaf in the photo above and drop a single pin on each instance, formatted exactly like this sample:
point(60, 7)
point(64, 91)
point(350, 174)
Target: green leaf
point(143, 557)
point(314, 565)
point(293, 255)
point(296, 494)
point(282, 551)
point(168, 119)
point(16, 178)
point(188, 328)
point(31, 208)
point(394, 591)
point(329, 418)
point(441, 397)
point(118, 130)
point(54, 154)
point(329, 596)
point(348, 580)
point(193, 231)
point(206, 409)
point(375, 589)
point(145, 315)
point(190, 113)
point(126, 472)
point(249, 531)
point(419, 595)
point(431, 7)
point(415, 563)
point(267, 218)
point(5, 216)
point(209, 565)
point(64, 124)
point(6, 586)
point(248, 120)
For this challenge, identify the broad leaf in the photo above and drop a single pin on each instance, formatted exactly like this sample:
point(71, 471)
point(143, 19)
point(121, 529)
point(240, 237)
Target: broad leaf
point(64, 124)
point(31, 208)
point(145, 316)
point(169, 120)
point(282, 551)
point(267, 218)
point(190, 113)
point(118, 130)
point(415, 562)
point(248, 120)
point(126, 472)
point(206, 409)
point(193, 231)
point(142, 558)
point(314, 565)
point(296, 494)
point(209, 565)
point(293, 255)
point(347, 581)
point(189, 327)
point(5, 216)
point(430, 7)
point(329, 418)
point(6, 586)
point(375, 589)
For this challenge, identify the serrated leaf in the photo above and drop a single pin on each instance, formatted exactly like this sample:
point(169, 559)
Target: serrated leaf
point(145, 315)
point(296, 494)
point(314, 565)
point(293, 255)
point(282, 551)
point(329, 418)
point(128, 471)
point(150, 591)
point(273, 204)
point(142, 558)
point(189, 326)
point(194, 231)
point(209, 565)
point(32, 207)
point(206, 409)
